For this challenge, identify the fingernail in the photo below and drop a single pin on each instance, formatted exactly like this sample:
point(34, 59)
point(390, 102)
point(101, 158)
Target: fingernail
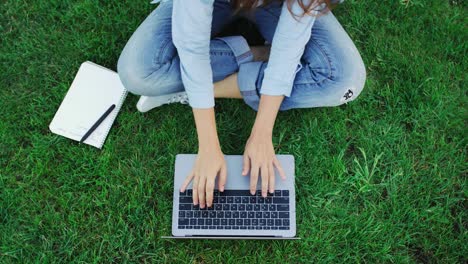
point(264, 194)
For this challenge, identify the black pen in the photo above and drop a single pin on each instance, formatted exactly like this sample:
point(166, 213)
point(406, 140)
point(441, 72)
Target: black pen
point(100, 120)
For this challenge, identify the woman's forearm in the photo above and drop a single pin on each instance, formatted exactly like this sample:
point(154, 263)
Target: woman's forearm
point(266, 115)
point(206, 129)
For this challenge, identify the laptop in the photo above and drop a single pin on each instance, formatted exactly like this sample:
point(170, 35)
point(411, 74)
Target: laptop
point(235, 213)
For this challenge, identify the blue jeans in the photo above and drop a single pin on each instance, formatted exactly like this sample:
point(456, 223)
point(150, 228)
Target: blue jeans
point(332, 71)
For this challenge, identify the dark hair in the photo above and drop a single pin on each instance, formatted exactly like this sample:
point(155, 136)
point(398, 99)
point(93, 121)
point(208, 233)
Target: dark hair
point(249, 5)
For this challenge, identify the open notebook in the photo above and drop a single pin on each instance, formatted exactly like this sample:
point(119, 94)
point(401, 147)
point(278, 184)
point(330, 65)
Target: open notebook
point(92, 92)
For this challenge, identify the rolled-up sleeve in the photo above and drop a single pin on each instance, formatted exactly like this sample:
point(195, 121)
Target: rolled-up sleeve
point(287, 48)
point(191, 32)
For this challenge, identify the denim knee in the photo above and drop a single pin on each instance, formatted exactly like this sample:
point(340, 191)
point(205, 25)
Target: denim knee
point(137, 78)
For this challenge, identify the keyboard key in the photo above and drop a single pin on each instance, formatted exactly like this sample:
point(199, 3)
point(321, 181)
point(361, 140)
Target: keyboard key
point(215, 193)
point(235, 227)
point(211, 208)
point(250, 227)
point(254, 222)
point(201, 222)
point(204, 227)
point(285, 222)
point(266, 214)
point(243, 215)
point(249, 207)
point(284, 227)
point(196, 227)
point(212, 214)
point(278, 193)
point(235, 215)
point(185, 199)
point(197, 214)
point(278, 222)
point(230, 200)
point(232, 222)
point(243, 227)
point(220, 227)
point(270, 222)
point(228, 214)
point(282, 207)
point(285, 193)
point(218, 207)
point(189, 227)
point(274, 228)
point(183, 221)
point(208, 222)
point(215, 200)
point(241, 207)
point(222, 199)
point(268, 200)
point(189, 192)
point(239, 222)
point(258, 215)
point(257, 207)
point(205, 214)
point(181, 214)
point(216, 222)
point(258, 193)
point(189, 214)
point(251, 214)
point(237, 200)
point(274, 215)
point(183, 193)
point(272, 207)
point(258, 227)
point(281, 200)
point(233, 207)
point(264, 207)
point(245, 200)
point(181, 227)
point(226, 207)
point(220, 214)
point(266, 228)
point(227, 227)
point(196, 208)
point(253, 199)
point(284, 215)
point(186, 207)
point(262, 222)
point(247, 222)
point(224, 222)
point(193, 221)
point(260, 200)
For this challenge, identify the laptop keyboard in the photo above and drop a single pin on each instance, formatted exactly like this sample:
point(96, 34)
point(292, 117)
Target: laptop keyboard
point(235, 210)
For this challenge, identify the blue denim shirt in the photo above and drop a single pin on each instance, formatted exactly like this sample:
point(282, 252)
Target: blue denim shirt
point(191, 32)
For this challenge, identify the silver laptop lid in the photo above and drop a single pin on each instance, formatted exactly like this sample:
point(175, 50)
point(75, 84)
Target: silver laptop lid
point(235, 181)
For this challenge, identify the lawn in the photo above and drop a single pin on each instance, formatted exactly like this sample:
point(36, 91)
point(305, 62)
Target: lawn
point(382, 179)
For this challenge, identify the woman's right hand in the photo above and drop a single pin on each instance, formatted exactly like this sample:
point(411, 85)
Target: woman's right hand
point(209, 163)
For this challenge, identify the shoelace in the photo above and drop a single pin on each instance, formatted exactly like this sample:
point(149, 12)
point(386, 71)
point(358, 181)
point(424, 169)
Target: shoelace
point(179, 98)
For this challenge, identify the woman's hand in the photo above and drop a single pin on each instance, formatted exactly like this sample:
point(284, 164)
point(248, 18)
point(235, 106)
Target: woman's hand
point(210, 160)
point(207, 166)
point(260, 158)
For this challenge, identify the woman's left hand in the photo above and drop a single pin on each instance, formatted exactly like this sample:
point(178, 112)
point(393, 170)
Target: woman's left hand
point(260, 160)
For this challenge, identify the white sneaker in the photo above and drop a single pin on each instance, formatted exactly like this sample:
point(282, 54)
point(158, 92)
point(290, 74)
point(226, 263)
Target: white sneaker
point(147, 103)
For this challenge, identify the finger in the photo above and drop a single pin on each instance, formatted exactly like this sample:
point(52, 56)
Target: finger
point(265, 177)
point(187, 181)
point(201, 192)
point(253, 179)
point(271, 172)
point(222, 178)
point(209, 191)
point(195, 190)
point(279, 168)
point(246, 168)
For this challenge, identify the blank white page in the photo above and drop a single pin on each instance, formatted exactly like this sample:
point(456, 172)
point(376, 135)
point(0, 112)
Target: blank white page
point(92, 92)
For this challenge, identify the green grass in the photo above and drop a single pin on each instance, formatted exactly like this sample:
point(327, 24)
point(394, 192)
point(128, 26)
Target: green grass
point(382, 179)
